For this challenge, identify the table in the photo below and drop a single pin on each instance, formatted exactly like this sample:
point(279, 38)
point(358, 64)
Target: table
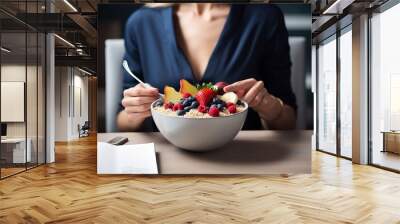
point(391, 141)
point(16, 153)
point(251, 152)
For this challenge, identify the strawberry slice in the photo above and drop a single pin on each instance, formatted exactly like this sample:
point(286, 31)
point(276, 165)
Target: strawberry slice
point(204, 96)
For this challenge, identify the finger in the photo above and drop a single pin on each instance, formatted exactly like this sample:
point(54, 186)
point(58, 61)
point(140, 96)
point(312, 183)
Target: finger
point(133, 116)
point(139, 90)
point(243, 84)
point(252, 93)
point(257, 100)
point(240, 93)
point(138, 109)
point(136, 101)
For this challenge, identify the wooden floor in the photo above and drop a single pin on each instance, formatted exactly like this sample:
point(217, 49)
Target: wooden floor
point(387, 159)
point(69, 191)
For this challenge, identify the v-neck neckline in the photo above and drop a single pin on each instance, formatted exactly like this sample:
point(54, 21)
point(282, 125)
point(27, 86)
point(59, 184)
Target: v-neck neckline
point(170, 26)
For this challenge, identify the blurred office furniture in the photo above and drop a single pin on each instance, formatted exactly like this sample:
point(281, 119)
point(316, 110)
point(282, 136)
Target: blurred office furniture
point(13, 151)
point(391, 141)
point(3, 130)
point(114, 53)
point(84, 129)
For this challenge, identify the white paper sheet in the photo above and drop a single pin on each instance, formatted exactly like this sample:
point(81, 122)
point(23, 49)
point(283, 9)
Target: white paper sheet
point(126, 159)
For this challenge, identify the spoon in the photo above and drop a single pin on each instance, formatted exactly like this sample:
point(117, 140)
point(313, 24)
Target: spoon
point(146, 85)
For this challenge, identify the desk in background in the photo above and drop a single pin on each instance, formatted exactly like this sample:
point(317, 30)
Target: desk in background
point(251, 152)
point(391, 141)
point(13, 150)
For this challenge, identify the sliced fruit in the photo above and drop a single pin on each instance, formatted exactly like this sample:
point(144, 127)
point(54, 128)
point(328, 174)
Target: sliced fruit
point(204, 96)
point(171, 95)
point(187, 88)
point(220, 87)
point(229, 97)
point(213, 111)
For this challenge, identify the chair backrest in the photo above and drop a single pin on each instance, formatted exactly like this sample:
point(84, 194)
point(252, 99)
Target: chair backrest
point(114, 53)
point(86, 125)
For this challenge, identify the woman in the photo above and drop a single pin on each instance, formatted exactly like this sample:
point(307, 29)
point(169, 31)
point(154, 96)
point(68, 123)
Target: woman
point(245, 45)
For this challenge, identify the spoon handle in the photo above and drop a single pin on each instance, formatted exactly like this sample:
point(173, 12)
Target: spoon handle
point(126, 67)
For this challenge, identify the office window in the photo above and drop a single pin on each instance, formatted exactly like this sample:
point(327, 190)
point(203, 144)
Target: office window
point(327, 96)
point(385, 88)
point(346, 92)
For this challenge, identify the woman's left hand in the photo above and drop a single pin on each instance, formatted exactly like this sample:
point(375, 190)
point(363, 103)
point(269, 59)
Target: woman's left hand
point(251, 91)
point(271, 109)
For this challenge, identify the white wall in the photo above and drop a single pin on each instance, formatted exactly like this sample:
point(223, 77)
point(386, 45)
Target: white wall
point(33, 126)
point(71, 87)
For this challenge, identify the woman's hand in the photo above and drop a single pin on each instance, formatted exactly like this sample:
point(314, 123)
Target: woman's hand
point(249, 90)
point(137, 101)
point(271, 109)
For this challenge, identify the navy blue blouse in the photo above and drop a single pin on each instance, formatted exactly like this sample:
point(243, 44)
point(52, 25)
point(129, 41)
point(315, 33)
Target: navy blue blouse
point(253, 44)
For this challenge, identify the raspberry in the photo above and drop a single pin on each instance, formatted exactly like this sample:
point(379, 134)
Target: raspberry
point(168, 105)
point(177, 106)
point(202, 109)
point(232, 109)
point(186, 95)
point(213, 112)
point(229, 104)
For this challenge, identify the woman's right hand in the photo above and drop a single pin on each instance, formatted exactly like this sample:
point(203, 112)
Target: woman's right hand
point(137, 101)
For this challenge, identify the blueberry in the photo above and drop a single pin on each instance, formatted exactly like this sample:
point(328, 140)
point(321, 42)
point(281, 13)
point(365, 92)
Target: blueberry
point(181, 112)
point(191, 98)
point(186, 103)
point(220, 106)
point(240, 103)
point(223, 103)
point(187, 108)
point(195, 104)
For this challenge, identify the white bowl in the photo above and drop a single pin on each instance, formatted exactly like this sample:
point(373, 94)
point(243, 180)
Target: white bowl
point(199, 134)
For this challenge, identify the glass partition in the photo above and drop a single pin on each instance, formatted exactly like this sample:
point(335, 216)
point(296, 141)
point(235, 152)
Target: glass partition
point(22, 67)
point(13, 111)
point(346, 92)
point(327, 95)
point(385, 89)
point(31, 97)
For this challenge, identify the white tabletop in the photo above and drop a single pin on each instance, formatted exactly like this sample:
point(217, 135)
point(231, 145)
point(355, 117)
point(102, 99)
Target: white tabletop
point(13, 140)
